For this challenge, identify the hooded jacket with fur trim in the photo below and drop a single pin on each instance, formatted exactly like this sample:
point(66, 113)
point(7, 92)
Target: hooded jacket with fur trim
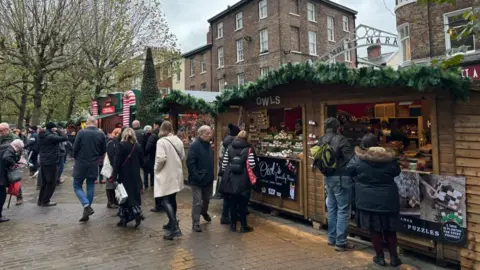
point(373, 171)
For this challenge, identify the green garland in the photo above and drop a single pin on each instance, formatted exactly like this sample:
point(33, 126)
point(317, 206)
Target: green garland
point(178, 97)
point(422, 78)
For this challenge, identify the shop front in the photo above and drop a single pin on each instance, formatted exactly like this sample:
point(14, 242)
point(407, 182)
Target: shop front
point(285, 115)
point(110, 109)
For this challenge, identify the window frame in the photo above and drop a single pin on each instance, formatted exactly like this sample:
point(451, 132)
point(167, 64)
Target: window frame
point(219, 30)
point(201, 86)
point(310, 43)
point(314, 10)
point(347, 53)
point(346, 24)
point(237, 19)
point(203, 64)
point(240, 53)
point(262, 4)
point(265, 49)
point(238, 78)
point(296, 6)
point(193, 66)
point(220, 60)
point(332, 19)
point(221, 84)
point(446, 16)
point(264, 71)
point(401, 39)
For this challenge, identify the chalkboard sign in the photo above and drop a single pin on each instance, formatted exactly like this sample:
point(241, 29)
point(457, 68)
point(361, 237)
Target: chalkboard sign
point(278, 177)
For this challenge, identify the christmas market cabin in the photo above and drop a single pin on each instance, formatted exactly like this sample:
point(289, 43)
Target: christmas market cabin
point(285, 112)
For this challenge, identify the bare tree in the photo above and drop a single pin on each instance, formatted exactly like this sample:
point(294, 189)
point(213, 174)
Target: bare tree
point(113, 32)
point(34, 34)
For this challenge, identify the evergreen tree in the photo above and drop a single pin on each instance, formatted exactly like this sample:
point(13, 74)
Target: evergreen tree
point(149, 91)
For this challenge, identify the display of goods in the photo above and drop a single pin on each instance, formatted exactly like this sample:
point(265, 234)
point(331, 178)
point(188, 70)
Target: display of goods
point(426, 148)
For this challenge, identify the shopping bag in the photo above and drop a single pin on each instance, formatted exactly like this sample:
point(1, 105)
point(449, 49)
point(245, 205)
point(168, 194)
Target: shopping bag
point(107, 169)
point(14, 174)
point(14, 188)
point(251, 174)
point(121, 194)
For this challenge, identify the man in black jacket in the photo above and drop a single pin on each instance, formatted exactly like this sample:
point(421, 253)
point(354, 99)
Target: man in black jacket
point(49, 140)
point(149, 152)
point(138, 130)
point(89, 146)
point(339, 186)
point(200, 175)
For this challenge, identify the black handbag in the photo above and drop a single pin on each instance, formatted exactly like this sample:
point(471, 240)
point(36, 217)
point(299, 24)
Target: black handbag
point(14, 175)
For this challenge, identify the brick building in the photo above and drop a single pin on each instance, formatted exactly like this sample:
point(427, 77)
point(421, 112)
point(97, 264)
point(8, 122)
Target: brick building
point(252, 37)
point(423, 31)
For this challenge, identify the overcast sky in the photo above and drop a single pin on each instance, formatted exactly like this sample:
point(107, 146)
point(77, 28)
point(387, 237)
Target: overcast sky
point(187, 19)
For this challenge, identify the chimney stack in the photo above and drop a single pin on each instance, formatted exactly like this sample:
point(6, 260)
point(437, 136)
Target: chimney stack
point(374, 51)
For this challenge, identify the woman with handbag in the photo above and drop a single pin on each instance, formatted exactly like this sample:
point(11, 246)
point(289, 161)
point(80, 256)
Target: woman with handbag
point(238, 177)
point(112, 144)
point(8, 160)
point(169, 176)
point(126, 171)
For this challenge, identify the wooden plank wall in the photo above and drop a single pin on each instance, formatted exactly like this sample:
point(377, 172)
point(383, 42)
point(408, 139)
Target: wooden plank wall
point(467, 162)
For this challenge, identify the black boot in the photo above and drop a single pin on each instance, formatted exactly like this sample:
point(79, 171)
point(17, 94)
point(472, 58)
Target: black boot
point(245, 228)
point(380, 260)
point(395, 261)
point(122, 223)
point(111, 199)
point(138, 220)
point(170, 211)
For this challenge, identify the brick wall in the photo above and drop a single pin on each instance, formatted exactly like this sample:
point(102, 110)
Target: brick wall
point(195, 82)
point(280, 43)
point(427, 26)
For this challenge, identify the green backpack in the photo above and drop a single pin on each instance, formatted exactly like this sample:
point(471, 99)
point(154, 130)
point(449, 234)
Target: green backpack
point(324, 158)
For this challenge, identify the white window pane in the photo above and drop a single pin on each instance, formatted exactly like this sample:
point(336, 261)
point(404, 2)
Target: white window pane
point(311, 12)
point(220, 57)
point(264, 41)
point(312, 42)
point(239, 21)
point(220, 30)
point(263, 9)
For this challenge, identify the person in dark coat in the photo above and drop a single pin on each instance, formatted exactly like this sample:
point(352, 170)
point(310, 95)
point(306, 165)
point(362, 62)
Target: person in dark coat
point(148, 162)
point(6, 138)
point(200, 175)
point(236, 183)
point(376, 195)
point(32, 147)
point(233, 131)
point(49, 149)
point(89, 146)
point(112, 144)
point(127, 163)
point(150, 151)
point(9, 158)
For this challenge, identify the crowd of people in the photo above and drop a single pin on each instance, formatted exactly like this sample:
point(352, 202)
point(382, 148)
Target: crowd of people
point(368, 171)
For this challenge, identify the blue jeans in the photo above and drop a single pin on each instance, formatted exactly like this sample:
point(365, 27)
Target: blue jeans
point(61, 166)
point(86, 200)
point(339, 189)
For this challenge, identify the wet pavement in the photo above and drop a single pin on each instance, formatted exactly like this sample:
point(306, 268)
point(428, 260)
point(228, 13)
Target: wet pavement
point(52, 238)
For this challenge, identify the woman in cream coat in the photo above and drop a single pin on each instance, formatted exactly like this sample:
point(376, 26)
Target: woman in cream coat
point(169, 176)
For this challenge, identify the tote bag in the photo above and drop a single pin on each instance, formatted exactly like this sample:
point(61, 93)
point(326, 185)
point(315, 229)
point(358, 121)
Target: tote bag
point(121, 194)
point(107, 169)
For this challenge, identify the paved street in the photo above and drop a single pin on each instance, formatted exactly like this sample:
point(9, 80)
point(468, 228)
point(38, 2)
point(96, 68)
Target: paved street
point(52, 238)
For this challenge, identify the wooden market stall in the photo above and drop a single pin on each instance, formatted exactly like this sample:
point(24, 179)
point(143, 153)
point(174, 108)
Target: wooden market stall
point(187, 110)
point(285, 113)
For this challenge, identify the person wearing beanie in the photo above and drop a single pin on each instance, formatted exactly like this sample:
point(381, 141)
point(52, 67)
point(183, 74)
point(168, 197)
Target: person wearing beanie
point(339, 186)
point(233, 131)
point(49, 148)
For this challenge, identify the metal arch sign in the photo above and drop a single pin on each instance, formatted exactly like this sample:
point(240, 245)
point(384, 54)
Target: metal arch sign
point(363, 36)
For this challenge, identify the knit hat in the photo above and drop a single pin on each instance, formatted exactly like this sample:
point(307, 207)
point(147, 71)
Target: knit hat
point(369, 140)
point(233, 130)
point(50, 125)
point(332, 123)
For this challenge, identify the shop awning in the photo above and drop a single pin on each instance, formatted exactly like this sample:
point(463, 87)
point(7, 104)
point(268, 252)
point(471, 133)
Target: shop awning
point(101, 116)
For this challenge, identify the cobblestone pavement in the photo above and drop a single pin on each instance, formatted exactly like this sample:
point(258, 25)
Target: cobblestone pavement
point(52, 238)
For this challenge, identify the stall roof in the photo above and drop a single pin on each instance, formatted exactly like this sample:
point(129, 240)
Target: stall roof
point(421, 78)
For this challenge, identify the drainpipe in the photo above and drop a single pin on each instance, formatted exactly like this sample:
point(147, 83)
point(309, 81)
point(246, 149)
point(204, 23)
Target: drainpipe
point(430, 53)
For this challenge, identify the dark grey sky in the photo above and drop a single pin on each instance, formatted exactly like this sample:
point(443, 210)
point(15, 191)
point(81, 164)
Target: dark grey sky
point(188, 18)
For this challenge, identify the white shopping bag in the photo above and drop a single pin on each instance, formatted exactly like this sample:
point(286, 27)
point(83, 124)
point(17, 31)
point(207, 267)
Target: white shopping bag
point(107, 169)
point(121, 194)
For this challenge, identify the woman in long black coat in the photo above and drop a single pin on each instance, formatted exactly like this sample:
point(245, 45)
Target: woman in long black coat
point(127, 163)
point(376, 196)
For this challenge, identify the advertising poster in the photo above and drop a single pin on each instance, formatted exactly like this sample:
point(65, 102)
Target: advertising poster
point(433, 206)
point(278, 177)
